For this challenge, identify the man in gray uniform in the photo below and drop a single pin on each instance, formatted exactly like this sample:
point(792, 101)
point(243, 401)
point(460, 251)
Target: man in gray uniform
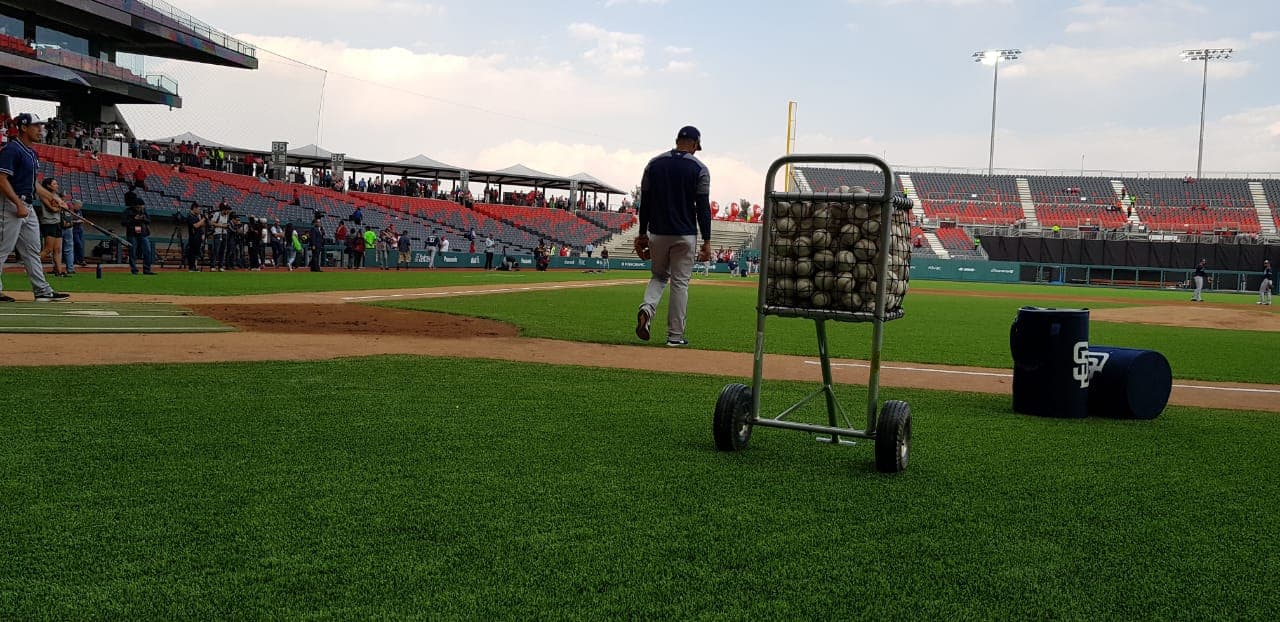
point(1199, 278)
point(19, 227)
point(675, 206)
point(1268, 280)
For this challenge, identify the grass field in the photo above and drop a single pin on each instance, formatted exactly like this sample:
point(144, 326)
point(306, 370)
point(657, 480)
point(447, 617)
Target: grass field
point(938, 328)
point(306, 490)
point(184, 283)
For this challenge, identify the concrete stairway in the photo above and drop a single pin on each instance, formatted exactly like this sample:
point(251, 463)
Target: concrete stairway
point(1028, 203)
point(1118, 187)
point(1266, 217)
point(909, 189)
point(935, 244)
point(727, 235)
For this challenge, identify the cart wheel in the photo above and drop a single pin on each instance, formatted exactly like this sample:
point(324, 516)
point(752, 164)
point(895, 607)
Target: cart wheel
point(893, 437)
point(732, 427)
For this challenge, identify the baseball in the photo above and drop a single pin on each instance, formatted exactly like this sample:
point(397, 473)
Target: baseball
point(821, 299)
point(782, 267)
point(821, 240)
point(871, 228)
point(825, 281)
point(849, 235)
point(845, 282)
point(801, 210)
point(863, 271)
point(804, 289)
point(802, 246)
point(865, 250)
point(861, 211)
point(824, 259)
point(782, 209)
point(821, 218)
point(845, 260)
point(784, 285)
point(782, 247)
point(785, 226)
point(851, 301)
point(802, 267)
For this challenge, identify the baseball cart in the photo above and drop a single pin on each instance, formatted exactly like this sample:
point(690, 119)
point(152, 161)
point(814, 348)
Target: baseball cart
point(829, 256)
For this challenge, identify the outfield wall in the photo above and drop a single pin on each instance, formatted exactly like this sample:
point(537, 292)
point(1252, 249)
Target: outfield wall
point(1129, 253)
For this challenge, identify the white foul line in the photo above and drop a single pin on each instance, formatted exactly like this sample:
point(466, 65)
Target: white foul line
point(105, 329)
point(959, 372)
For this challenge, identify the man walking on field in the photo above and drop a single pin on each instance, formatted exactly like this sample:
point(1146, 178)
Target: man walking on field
point(1268, 279)
point(675, 206)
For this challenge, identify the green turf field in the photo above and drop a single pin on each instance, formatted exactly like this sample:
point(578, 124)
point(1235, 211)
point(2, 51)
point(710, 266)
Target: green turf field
point(184, 283)
point(309, 490)
point(938, 328)
point(102, 317)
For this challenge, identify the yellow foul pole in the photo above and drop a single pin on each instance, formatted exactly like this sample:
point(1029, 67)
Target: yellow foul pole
point(791, 140)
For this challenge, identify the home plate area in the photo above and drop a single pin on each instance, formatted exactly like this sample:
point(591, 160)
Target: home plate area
point(102, 317)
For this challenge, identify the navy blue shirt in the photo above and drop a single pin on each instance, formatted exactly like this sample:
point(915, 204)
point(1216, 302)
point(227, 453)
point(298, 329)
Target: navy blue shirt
point(675, 196)
point(1200, 271)
point(19, 162)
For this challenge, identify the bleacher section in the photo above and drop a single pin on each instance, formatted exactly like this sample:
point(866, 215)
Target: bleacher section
point(94, 182)
point(958, 243)
point(1271, 188)
point(1070, 202)
point(830, 179)
point(14, 45)
point(923, 250)
point(969, 199)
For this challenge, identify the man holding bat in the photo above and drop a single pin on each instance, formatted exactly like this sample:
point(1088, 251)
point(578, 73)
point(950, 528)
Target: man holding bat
point(19, 226)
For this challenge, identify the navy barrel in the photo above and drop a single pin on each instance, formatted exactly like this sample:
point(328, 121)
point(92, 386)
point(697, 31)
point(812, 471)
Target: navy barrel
point(1128, 383)
point(1050, 368)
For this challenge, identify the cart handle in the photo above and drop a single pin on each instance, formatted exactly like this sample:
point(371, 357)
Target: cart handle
point(899, 201)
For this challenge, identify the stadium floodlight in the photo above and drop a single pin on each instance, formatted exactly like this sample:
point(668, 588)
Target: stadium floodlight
point(993, 58)
point(1204, 55)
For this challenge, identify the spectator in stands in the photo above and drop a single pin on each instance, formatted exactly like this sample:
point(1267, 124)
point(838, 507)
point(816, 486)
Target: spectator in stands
point(444, 244)
point(139, 178)
point(121, 176)
point(386, 246)
point(591, 249)
point(220, 230)
point(488, 252)
point(357, 217)
point(50, 217)
point(604, 259)
point(358, 251)
point(541, 257)
point(403, 246)
point(292, 246)
point(370, 241)
point(564, 251)
point(277, 240)
point(316, 240)
point(72, 236)
point(297, 198)
point(137, 227)
point(195, 222)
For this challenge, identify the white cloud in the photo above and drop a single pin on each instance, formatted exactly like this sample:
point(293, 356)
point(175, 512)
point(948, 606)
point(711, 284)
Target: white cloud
point(1103, 15)
point(676, 50)
point(1265, 36)
point(614, 52)
point(396, 8)
point(679, 66)
point(612, 3)
point(1080, 68)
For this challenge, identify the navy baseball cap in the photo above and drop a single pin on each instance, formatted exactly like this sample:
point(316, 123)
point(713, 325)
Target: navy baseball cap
point(28, 118)
point(691, 133)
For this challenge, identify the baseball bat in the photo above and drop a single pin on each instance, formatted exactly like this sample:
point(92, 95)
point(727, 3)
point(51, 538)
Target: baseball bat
point(110, 234)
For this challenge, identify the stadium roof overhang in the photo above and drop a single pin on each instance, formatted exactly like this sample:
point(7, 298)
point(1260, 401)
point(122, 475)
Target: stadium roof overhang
point(138, 28)
point(36, 79)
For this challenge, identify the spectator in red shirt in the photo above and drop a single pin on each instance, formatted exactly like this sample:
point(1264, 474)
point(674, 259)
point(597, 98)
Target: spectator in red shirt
point(140, 178)
point(120, 174)
point(297, 199)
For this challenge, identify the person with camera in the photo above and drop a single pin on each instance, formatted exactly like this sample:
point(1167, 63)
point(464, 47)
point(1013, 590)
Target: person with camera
point(137, 228)
point(219, 225)
point(72, 236)
point(253, 235)
point(195, 222)
point(316, 242)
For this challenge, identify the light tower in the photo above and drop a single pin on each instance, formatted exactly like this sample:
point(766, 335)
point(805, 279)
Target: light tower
point(1204, 55)
point(993, 58)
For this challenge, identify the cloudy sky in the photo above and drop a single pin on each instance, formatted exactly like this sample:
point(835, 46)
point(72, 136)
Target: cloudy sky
point(602, 85)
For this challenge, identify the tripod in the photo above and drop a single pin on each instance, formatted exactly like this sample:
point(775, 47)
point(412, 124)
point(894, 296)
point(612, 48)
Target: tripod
point(176, 237)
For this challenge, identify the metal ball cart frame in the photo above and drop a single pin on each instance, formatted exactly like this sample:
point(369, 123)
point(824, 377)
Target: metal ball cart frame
point(738, 407)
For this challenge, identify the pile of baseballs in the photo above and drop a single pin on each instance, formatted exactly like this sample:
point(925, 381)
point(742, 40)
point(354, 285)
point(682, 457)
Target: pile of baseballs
point(825, 256)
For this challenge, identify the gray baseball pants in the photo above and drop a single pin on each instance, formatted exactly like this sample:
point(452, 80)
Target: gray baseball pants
point(1199, 287)
point(1264, 292)
point(672, 257)
point(22, 234)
